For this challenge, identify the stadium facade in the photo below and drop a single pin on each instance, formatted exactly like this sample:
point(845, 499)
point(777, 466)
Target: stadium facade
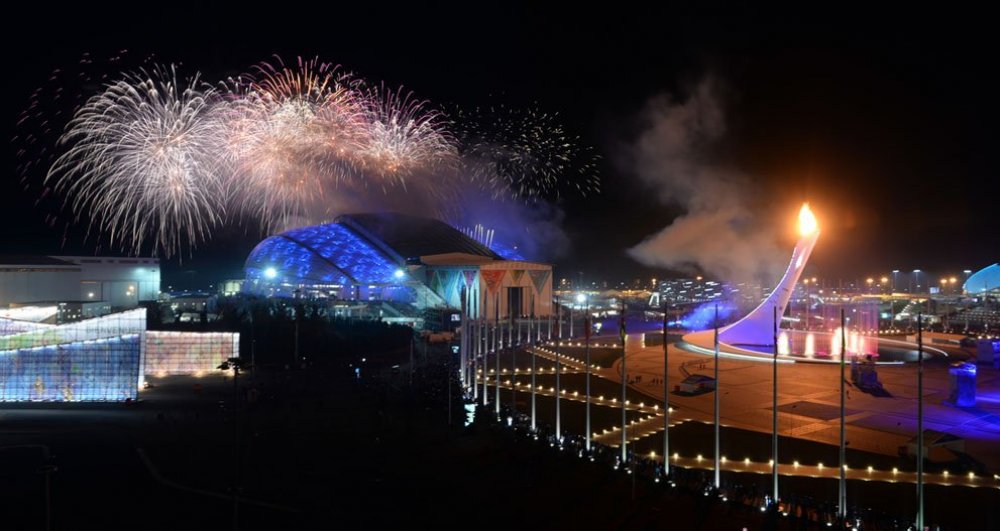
point(398, 258)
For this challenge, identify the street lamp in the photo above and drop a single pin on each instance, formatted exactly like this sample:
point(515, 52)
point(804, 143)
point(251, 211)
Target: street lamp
point(916, 274)
point(236, 364)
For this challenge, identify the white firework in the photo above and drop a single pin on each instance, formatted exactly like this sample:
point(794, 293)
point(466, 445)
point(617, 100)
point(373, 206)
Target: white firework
point(142, 162)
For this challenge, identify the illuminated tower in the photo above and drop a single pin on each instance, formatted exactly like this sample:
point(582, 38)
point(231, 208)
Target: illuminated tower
point(756, 327)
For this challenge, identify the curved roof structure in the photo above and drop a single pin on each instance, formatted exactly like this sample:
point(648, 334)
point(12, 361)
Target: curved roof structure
point(410, 237)
point(356, 249)
point(986, 279)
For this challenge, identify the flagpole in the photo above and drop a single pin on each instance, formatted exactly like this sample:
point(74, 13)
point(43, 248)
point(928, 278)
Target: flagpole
point(586, 350)
point(842, 508)
point(624, 387)
point(920, 421)
point(774, 408)
point(716, 401)
point(559, 318)
point(533, 368)
point(475, 351)
point(558, 372)
point(467, 334)
point(513, 359)
point(464, 339)
point(485, 322)
point(550, 325)
point(486, 347)
point(571, 318)
point(666, 395)
point(497, 345)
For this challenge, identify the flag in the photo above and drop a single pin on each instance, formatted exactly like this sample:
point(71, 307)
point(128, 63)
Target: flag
point(621, 323)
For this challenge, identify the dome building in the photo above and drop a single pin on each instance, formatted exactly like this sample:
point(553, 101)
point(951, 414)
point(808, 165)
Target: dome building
point(394, 257)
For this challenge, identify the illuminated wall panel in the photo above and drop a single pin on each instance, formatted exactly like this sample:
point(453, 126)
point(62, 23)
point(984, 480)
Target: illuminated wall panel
point(98, 370)
point(14, 326)
point(170, 353)
point(117, 324)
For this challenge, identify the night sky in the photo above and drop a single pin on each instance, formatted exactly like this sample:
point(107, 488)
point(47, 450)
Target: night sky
point(886, 124)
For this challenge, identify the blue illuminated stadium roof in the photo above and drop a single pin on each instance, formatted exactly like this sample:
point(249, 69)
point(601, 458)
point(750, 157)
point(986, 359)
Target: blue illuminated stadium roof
point(356, 249)
point(986, 279)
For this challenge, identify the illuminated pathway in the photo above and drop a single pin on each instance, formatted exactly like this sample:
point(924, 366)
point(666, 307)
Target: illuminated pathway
point(831, 472)
point(653, 423)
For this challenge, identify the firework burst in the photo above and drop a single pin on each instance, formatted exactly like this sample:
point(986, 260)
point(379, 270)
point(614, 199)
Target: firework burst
point(292, 132)
point(525, 153)
point(143, 161)
point(404, 135)
point(152, 160)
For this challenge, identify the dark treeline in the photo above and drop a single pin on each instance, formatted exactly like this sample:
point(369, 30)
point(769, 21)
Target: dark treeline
point(267, 330)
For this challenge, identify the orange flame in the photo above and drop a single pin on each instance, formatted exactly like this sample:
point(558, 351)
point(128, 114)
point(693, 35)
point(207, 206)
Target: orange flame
point(807, 221)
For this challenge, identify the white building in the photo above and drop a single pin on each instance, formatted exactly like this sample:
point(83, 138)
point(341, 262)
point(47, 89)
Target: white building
point(120, 282)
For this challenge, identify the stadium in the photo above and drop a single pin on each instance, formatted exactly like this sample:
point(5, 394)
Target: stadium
point(985, 281)
point(402, 263)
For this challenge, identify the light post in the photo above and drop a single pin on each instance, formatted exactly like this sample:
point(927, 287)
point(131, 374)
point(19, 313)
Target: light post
point(895, 276)
point(916, 275)
point(295, 354)
point(236, 364)
point(871, 285)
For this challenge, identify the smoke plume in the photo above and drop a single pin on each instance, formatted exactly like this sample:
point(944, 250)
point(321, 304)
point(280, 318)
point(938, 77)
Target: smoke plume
point(676, 154)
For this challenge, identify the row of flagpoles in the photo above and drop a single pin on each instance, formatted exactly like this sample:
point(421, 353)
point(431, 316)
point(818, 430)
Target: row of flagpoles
point(480, 337)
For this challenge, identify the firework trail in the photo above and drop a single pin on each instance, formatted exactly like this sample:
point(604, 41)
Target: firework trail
point(51, 105)
point(525, 153)
point(143, 161)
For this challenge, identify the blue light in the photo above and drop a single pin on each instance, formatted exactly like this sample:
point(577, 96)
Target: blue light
point(399, 274)
point(321, 254)
point(95, 370)
point(703, 316)
point(507, 252)
point(270, 272)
